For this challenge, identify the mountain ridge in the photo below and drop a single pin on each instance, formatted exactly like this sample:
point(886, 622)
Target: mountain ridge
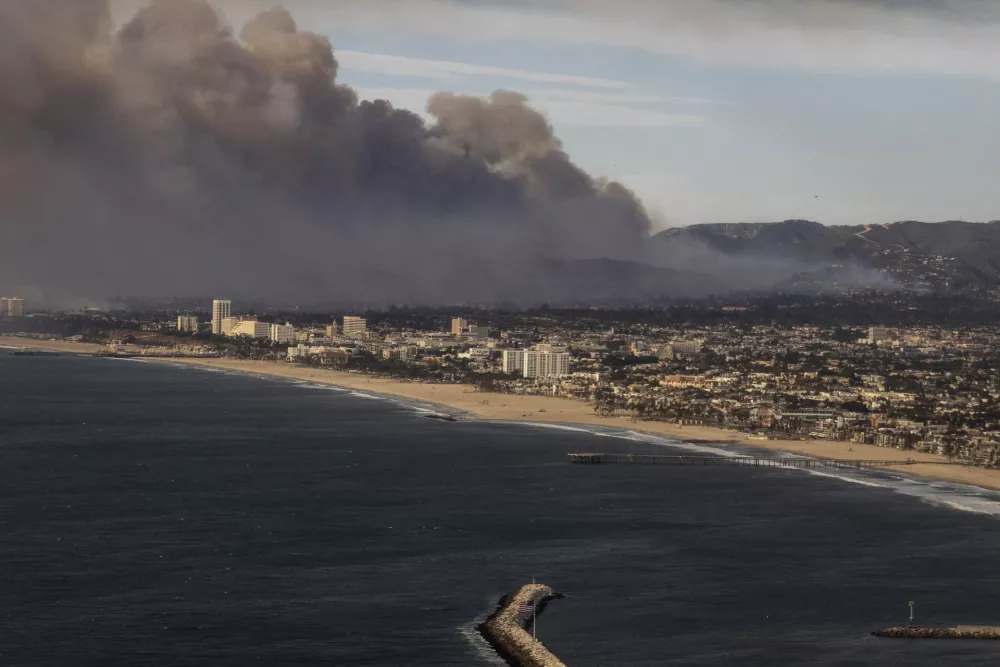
point(954, 254)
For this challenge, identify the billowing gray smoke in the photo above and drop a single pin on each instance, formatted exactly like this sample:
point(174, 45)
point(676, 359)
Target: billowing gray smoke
point(170, 157)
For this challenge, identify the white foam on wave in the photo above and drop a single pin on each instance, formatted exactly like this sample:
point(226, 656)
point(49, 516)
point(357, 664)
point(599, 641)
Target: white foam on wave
point(373, 397)
point(555, 427)
point(412, 405)
point(957, 497)
point(484, 652)
point(665, 441)
point(960, 497)
point(843, 478)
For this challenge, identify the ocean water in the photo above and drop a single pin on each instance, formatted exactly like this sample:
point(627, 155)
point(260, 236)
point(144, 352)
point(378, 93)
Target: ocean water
point(155, 515)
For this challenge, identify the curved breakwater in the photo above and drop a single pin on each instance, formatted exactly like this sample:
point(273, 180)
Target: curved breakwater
point(505, 630)
point(957, 632)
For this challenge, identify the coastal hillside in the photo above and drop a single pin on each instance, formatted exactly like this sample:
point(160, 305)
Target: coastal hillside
point(952, 255)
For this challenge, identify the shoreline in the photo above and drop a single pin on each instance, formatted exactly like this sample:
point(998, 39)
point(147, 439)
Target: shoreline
point(552, 411)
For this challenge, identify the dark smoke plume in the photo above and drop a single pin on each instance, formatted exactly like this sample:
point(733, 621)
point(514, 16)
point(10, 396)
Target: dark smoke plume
point(172, 157)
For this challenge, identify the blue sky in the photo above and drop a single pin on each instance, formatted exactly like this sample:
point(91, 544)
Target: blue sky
point(840, 111)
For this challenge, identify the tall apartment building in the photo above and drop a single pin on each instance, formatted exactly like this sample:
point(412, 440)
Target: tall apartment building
point(513, 361)
point(187, 323)
point(354, 325)
point(536, 364)
point(332, 330)
point(11, 306)
point(543, 365)
point(221, 309)
point(459, 325)
point(282, 333)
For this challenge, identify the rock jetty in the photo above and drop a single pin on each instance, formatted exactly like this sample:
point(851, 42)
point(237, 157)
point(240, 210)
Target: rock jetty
point(957, 632)
point(505, 630)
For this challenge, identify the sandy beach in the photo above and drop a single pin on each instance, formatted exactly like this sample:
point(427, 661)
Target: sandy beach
point(547, 409)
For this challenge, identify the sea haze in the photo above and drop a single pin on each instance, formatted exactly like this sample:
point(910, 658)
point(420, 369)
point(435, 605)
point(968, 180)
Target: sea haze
point(154, 515)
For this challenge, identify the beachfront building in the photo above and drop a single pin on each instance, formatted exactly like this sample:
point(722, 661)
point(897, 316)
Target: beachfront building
point(282, 333)
point(187, 323)
point(252, 329)
point(536, 364)
point(354, 325)
point(221, 309)
point(11, 306)
point(513, 361)
point(544, 365)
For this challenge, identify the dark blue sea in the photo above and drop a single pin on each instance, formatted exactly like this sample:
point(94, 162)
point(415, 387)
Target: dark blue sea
point(153, 515)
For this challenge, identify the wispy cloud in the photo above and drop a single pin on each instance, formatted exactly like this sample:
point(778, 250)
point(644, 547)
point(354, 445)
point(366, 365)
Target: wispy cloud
point(562, 107)
point(957, 38)
point(380, 63)
point(617, 98)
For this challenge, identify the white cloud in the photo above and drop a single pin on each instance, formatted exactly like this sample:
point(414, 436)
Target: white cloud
point(381, 63)
point(614, 98)
point(954, 38)
point(555, 105)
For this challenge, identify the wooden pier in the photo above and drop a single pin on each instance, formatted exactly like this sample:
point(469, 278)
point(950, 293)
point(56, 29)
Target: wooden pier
point(739, 461)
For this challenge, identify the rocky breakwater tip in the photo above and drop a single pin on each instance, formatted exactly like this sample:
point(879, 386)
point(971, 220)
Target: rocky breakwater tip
point(957, 632)
point(505, 630)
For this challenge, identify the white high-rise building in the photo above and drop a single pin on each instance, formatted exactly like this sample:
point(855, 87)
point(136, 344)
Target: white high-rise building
point(530, 364)
point(221, 309)
point(332, 330)
point(282, 333)
point(354, 325)
point(543, 365)
point(513, 361)
point(458, 325)
point(187, 323)
point(11, 306)
point(536, 364)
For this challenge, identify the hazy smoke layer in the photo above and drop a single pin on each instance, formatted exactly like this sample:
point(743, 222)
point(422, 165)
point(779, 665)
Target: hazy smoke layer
point(173, 157)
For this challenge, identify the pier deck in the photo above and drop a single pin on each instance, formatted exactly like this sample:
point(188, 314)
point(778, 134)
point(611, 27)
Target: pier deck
point(740, 461)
